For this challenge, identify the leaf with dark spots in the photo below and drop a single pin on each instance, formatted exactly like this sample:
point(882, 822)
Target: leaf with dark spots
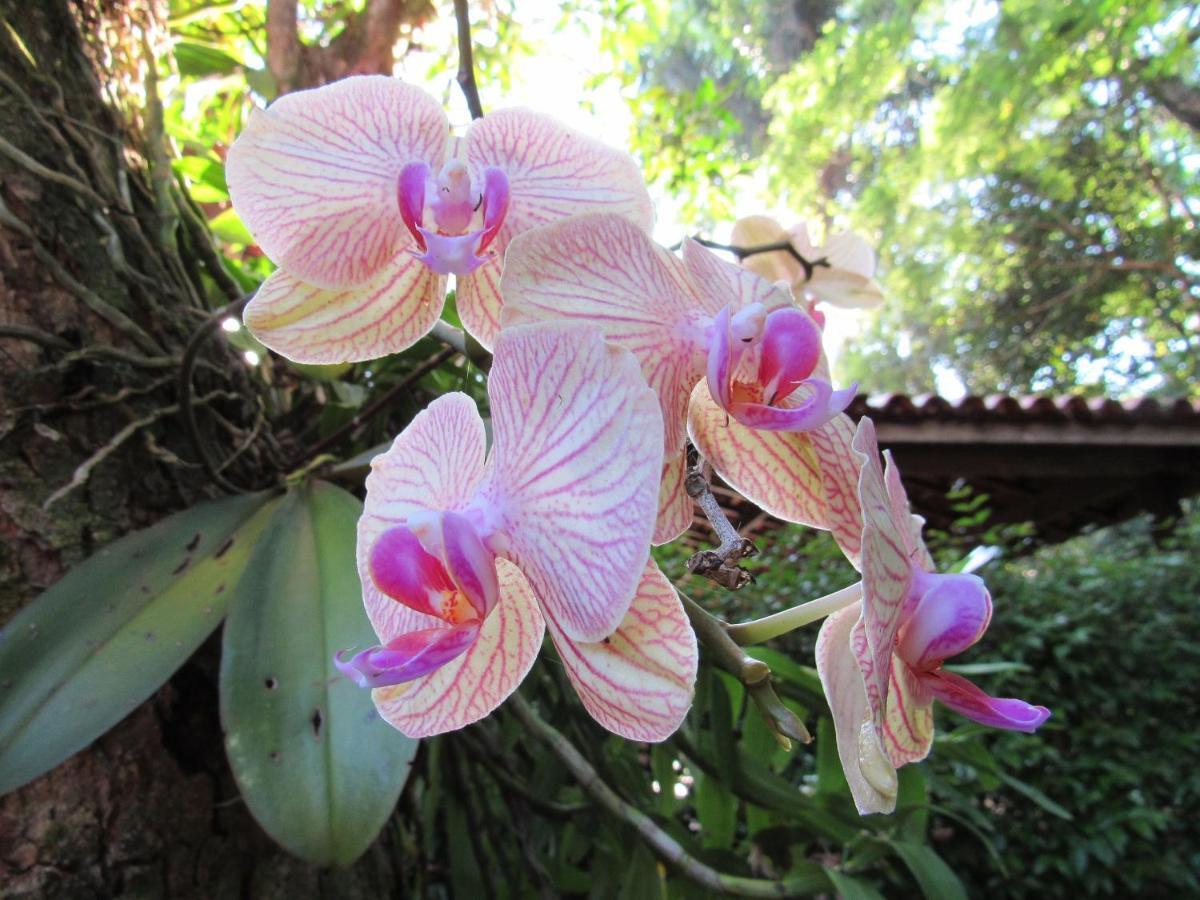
point(193, 543)
point(317, 721)
point(183, 565)
point(224, 548)
point(91, 648)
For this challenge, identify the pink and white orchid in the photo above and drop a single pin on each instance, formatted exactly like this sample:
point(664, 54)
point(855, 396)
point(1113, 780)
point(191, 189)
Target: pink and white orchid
point(360, 195)
point(880, 659)
point(707, 334)
point(840, 273)
point(466, 560)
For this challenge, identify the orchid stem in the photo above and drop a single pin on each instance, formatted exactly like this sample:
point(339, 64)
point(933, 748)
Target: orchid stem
point(754, 674)
point(660, 842)
point(720, 565)
point(466, 59)
point(773, 247)
point(756, 632)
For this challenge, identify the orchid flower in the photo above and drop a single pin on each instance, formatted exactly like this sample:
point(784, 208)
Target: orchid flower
point(880, 659)
point(840, 273)
point(465, 561)
point(359, 194)
point(707, 334)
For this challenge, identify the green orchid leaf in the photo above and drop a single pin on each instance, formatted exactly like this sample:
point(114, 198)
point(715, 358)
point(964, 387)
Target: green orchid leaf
point(80, 657)
point(318, 768)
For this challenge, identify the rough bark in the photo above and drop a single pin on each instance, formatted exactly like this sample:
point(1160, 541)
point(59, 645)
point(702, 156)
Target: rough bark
point(100, 267)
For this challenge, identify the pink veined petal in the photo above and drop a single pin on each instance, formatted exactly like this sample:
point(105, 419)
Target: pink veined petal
point(639, 681)
point(778, 265)
point(775, 470)
point(314, 176)
point(838, 467)
point(815, 405)
point(553, 173)
point(404, 570)
point(675, 508)
point(952, 614)
point(791, 350)
point(605, 271)
point(968, 700)
point(387, 314)
point(469, 687)
point(407, 656)
point(886, 580)
point(908, 721)
point(574, 470)
point(898, 502)
point(720, 283)
point(869, 773)
point(479, 302)
point(435, 463)
point(886, 571)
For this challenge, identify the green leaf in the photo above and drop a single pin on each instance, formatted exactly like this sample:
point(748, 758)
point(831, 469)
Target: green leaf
point(80, 657)
point(200, 60)
point(850, 888)
point(717, 811)
point(935, 878)
point(318, 768)
point(230, 228)
point(830, 777)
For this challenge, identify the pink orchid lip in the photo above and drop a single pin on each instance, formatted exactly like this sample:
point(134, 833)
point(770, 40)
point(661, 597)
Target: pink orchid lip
point(950, 613)
point(408, 656)
point(789, 345)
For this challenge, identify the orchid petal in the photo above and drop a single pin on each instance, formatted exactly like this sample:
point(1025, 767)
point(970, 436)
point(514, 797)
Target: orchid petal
point(719, 283)
point(639, 681)
point(574, 471)
point(435, 463)
point(844, 289)
point(451, 254)
point(908, 721)
point(817, 405)
point(777, 265)
point(496, 198)
point(906, 524)
point(871, 777)
point(968, 700)
point(469, 563)
point(479, 302)
point(410, 195)
point(886, 571)
point(675, 508)
point(314, 176)
point(791, 350)
point(404, 570)
point(467, 688)
point(387, 314)
point(605, 271)
point(407, 656)
point(837, 463)
point(952, 614)
point(721, 363)
point(775, 470)
point(553, 173)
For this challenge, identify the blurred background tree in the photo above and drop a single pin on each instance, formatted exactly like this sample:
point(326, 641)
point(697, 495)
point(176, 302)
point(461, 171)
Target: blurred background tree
point(1027, 170)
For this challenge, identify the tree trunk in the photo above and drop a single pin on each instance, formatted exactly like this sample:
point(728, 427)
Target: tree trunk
point(104, 275)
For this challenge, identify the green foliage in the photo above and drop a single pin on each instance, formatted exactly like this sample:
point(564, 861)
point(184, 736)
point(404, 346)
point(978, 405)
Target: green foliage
point(316, 765)
point(1106, 628)
point(81, 656)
